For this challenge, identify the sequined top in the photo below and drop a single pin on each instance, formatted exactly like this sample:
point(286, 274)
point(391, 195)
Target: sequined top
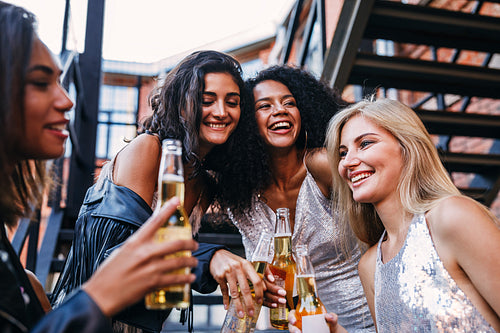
point(339, 287)
point(415, 293)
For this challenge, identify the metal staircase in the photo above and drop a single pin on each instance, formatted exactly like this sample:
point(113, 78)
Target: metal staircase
point(447, 86)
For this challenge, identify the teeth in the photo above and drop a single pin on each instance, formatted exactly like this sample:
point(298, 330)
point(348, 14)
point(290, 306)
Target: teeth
point(360, 176)
point(60, 127)
point(284, 124)
point(216, 125)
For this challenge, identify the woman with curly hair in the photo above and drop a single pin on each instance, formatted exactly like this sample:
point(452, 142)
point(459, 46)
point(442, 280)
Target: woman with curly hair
point(434, 262)
point(288, 167)
point(200, 103)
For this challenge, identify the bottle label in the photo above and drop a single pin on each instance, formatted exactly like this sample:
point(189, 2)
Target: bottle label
point(315, 324)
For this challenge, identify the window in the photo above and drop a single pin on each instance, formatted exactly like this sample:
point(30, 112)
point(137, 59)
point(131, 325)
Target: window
point(116, 120)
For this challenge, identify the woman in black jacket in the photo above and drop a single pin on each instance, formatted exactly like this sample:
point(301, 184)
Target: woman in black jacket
point(32, 130)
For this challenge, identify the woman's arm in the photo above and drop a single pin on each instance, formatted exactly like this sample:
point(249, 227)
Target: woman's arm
point(467, 240)
point(319, 167)
point(366, 270)
point(137, 166)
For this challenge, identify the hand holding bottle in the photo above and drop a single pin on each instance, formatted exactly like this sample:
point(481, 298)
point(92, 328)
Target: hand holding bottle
point(274, 294)
point(232, 272)
point(234, 322)
point(139, 266)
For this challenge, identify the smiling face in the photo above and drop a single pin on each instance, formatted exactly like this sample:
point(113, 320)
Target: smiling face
point(45, 104)
point(220, 110)
point(371, 161)
point(277, 115)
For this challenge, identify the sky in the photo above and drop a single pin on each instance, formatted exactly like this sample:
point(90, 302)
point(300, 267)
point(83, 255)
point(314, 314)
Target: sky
point(150, 30)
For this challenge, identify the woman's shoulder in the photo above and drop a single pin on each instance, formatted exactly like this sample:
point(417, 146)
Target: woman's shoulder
point(317, 164)
point(457, 214)
point(137, 165)
point(141, 148)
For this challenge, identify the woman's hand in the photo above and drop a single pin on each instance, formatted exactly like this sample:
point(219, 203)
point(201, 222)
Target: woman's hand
point(274, 294)
point(139, 266)
point(233, 273)
point(330, 318)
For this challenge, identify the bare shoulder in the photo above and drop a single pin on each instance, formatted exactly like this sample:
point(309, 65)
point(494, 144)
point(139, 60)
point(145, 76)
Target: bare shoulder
point(136, 166)
point(319, 167)
point(143, 146)
point(457, 214)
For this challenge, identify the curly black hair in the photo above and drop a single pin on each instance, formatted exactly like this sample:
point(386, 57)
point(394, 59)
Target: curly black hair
point(250, 171)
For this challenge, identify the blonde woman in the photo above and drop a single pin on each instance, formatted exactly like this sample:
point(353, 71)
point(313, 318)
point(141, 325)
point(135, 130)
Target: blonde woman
point(434, 257)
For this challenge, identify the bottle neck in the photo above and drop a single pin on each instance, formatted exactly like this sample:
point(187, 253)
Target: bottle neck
point(282, 246)
point(306, 286)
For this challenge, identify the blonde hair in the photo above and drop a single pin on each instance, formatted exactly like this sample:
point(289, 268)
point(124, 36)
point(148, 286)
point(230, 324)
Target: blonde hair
point(424, 180)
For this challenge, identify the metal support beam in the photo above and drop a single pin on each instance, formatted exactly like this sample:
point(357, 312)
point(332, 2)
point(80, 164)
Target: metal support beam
point(292, 28)
point(82, 166)
point(48, 245)
point(345, 42)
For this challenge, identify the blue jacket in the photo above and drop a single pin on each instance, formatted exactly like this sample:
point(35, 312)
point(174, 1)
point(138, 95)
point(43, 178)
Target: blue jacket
point(108, 216)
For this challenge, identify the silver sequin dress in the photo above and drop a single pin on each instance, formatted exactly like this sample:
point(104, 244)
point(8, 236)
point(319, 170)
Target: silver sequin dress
point(337, 278)
point(415, 293)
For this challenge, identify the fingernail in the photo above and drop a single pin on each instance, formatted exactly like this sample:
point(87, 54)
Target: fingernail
point(274, 305)
point(250, 313)
point(282, 300)
point(282, 292)
point(241, 314)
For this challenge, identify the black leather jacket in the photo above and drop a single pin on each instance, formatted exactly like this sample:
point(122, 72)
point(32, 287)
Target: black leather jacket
point(108, 216)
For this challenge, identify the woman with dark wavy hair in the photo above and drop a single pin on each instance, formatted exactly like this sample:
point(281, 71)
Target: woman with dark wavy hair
point(32, 131)
point(288, 167)
point(200, 103)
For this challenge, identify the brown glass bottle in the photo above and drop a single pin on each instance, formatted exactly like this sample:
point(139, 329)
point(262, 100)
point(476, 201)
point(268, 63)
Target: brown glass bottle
point(170, 184)
point(310, 311)
point(283, 268)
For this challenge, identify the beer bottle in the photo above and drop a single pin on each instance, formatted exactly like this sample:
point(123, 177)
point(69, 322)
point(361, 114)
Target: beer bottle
point(310, 312)
point(283, 268)
point(259, 259)
point(170, 184)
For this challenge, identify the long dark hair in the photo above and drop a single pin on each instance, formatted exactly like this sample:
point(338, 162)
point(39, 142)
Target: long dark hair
point(250, 171)
point(22, 186)
point(177, 102)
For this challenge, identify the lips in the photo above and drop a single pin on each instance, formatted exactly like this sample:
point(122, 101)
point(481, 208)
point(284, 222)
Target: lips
point(58, 128)
point(280, 125)
point(360, 176)
point(216, 125)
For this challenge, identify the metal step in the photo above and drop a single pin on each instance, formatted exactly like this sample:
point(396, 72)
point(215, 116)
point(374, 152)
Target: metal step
point(432, 26)
point(487, 165)
point(460, 123)
point(371, 70)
